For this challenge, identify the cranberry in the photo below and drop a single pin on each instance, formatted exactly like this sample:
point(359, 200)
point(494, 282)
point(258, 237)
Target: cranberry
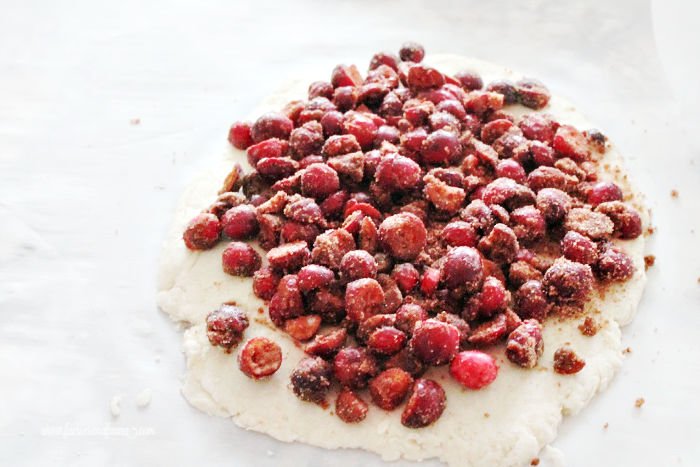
point(387, 133)
point(528, 224)
point(265, 282)
point(371, 324)
point(313, 277)
point(331, 246)
point(474, 369)
point(568, 282)
point(429, 281)
point(344, 75)
point(260, 357)
point(412, 141)
point(367, 236)
point(412, 52)
point(391, 105)
point(311, 379)
point(240, 222)
point(354, 367)
point(554, 204)
point(406, 277)
point(480, 102)
point(525, 344)
point(453, 107)
point(602, 192)
point(290, 256)
point(569, 142)
point(489, 332)
point(462, 267)
point(441, 147)
point(510, 168)
point(403, 236)
point(332, 123)
point(275, 168)
point(390, 387)
point(333, 205)
point(541, 154)
point(506, 88)
point(345, 98)
point(507, 193)
point(494, 129)
point(292, 109)
point(340, 144)
point(626, 221)
point(567, 362)
point(470, 80)
point(202, 232)
point(579, 248)
point(287, 302)
point(358, 264)
point(349, 407)
point(225, 326)
point(459, 233)
point(531, 301)
point(594, 225)
point(294, 231)
point(303, 328)
point(532, 93)
point(240, 259)
point(326, 345)
point(273, 205)
point(444, 121)
point(521, 272)
point(539, 127)
point(548, 177)
point(320, 89)
point(444, 197)
point(425, 404)
point(397, 173)
point(319, 181)
point(434, 342)
point(500, 245)
point(270, 148)
point(362, 128)
point(239, 135)
point(614, 265)
point(493, 297)
point(271, 125)
point(386, 340)
point(363, 298)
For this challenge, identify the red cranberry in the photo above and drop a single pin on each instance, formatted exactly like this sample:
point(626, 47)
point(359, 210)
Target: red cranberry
point(319, 181)
point(260, 357)
point(225, 326)
point(531, 301)
point(287, 301)
point(292, 109)
point(462, 268)
point(386, 340)
point(507, 193)
point(403, 236)
point(510, 168)
point(491, 131)
point(275, 168)
point(453, 107)
point(383, 58)
point(391, 105)
point(568, 282)
point(614, 265)
point(345, 98)
point(290, 256)
point(408, 315)
point(332, 123)
point(367, 236)
point(569, 142)
point(459, 233)
point(541, 154)
point(441, 147)
point(579, 248)
point(362, 128)
point(295, 231)
point(240, 259)
point(239, 135)
point(406, 277)
point(326, 345)
point(303, 328)
point(240, 222)
point(626, 221)
point(313, 277)
point(604, 191)
point(493, 297)
point(265, 282)
point(489, 332)
point(270, 148)
point(363, 298)
point(434, 342)
point(567, 362)
point(594, 225)
point(311, 379)
point(390, 387)
point(271, 125)
point(506, 88)
point(429, 281)
point(421, 77)
point(425, 404)
point(305, 141)
point(554, 204)
point(333, 205)
point(354, 367)
point(525, 344)
point(387, 133)
point(474, 369)
point(470, 80)
point(349, 407)
point(412, 52)
point(358, 264)
point(331, 246)
point(532, 93)
point(344, 75)
point(397, 172)
point(528, 224)
point(539, 127)
point(202, 233)
point(444, 121)
point(321, 89)
point(500, 245)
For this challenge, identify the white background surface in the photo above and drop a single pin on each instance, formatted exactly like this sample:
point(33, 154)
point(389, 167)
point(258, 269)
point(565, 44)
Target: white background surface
point(85, 199)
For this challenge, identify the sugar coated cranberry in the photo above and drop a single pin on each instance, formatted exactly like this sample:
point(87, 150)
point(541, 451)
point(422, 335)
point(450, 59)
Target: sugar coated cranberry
point(406, 276)
point(390, 388)
point(474, 369)
point(320, 89)
point(408, 315)
point(387, 133)
point(531, 301)
point(331, 246)
point(319, 181)
point(441, 147)
point(271, 125)
point(569, 142)
point(459, 233)
point(604, 191)
point(493, 296)
point(434, 342)
point(363, 298)
point(567, 361)
point(429, 281)
point(627, 222)
point(412, 52)
point(358, 264)
point(425, 404)
point(554, 204)
point(225, 326)
point(470, 80)
point(506, 88)
point(311, 379)
point(510, 168)
point(538, 127)
point(362, 128)
point(302, 328)
point(525, 344)
point(462, 267)
point(403, 236)
point(314, 277)
point(568, 282)
point(592, 224)
point(202, 233)
point(239, 135)
point(386, 340)
point(397, 173)
point(260, 357)
point(614, 265)
point(329, 302)
point(579, 248)
point(349, 407)
point(240, 259)
point(344, 75)
point(528, 224)
point(354, 367)
point(453, 107)
point(240, 222)
point(326, 345)
point(265, 282)
point(532, 93)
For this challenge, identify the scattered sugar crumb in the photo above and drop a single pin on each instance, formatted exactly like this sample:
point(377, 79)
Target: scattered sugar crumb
point(143, 399)
point(674, 193)
point(115, 405)
point(639, 402)
point(535, 461)
point(135, 121)
point(651, 230)
point(628, 350)
point(649, 261)
point(605, 426)
point(487, 415)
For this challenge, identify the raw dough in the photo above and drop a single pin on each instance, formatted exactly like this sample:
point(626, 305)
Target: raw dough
point(506, 424)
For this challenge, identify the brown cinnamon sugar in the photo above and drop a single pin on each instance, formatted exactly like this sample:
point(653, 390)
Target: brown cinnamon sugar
point(649, 261)
point(674, 193)
point(639, 402)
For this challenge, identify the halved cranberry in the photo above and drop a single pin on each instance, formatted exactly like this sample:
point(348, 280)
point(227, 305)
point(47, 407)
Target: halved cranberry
point(239, 135)
point(276, 168)
point(528, 224)
point(295, 231)
point(474, 369)
point(363, 298)
point(265, 282)
point(604, 191)
point(202, 232)
point(531, 301)
point(568, 282)
point(272, 147)
point(525, 344)
point(326, 345)
point(532, 93)
point(384, 58)
point(506, 88)
point(614, 265)
point(313, 277)
point(554, 204)
point(396, 172)
point(567, 362)
point(287, 301)
point(569, 142)
point(367, 235)
point(470, 80)
point(240, 259)
point(406, 277)
point(403, 236)
point(354, 367)
point(271, 125)
point(358, 264)
point(260, 357)
point(225, 326)
point(462, 267)
point(290, 256)
point(434, 342)
point(579, 248)
point(303, 328)
point(510, 168)
point(331, 246)
point(386, 340)
point(500, 245)
point(627, 222)
point(441, 147)
point(390, 387)
point(349, 407)
point(489, 332)
point(425, 404)
point(429, 281)
point(333, 205)
point(311, 379)
point(412, 52)
point(344, 75)
point(421, 77)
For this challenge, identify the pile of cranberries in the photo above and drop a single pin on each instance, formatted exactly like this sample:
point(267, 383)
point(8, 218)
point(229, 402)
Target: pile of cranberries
point(410, 221)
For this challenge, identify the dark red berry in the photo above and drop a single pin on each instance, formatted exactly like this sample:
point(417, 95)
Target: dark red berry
point(406, 277)
point(396, 173)
point(470, 80)
point(412, 52)
point(311, 379)
point(441, 147)
point(271, 125)
point(568, 282)
point(579, 248)
point(260, 357)
point(354, 367)
point(434, 342)
point(225, 326)
point(390, 388)
point(403, 236)
point(528, 224)
point(358, 264)
point(614, 265)
point(202, 232)
point(287, 302)
point(602, 192)
point(239, 135)
point(319, 181)
point(462, 267)
point(265, 282)
point(531, 301)
point(240, 259)
point(349, 407)
point(363, 298)
point(554, 204)
point(569, 142)
point(326, 345)
point(313, 277)
point(525, 344)
point(567, 362)
point(386, 340)
point(303, 328)
point(532, 93)
point(627, 222)
point(474, 369)
point(240, 222)
point(425, 404)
